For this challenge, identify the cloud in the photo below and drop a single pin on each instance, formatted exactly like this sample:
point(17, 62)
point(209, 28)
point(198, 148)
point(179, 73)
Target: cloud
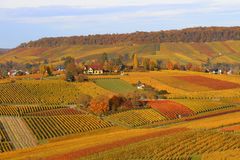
point(23, 20)
point(68, 14)
point(87, 3)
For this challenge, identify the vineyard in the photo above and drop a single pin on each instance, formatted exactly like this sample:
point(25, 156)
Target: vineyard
point(5, 144)
point(234, 128)
point(170, 109)
point(228, 154)
point(45, 127)
point(47, 92)
point(56, 112)
point(19, 110)
point(18, 132)
point(189, 144)
point(134, 118)
point(93, 90)
point(199, 106)
point(198, 118)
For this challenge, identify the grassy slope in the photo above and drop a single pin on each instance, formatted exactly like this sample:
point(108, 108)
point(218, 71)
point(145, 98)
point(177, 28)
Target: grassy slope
point(115, 85)
point(196, 53)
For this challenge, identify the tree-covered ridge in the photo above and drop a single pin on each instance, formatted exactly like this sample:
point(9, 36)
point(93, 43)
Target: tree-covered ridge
point(3, 50)
point(198, 34)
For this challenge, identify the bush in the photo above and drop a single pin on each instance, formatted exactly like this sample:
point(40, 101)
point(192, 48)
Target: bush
point(83, 100)
point(116, 102)
point(82, 78)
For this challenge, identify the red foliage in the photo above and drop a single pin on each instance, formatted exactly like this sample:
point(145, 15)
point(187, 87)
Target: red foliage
point(104, 147)
point(170, 109)
point(99, 105)
point(209, 82)
point(169, 65)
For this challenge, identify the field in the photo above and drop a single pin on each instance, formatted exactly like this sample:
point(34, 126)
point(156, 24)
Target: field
point(170, 109)
point(135, 118)
point(160, 81)
point(198, 119)
point(209, 82)
point(115, 85)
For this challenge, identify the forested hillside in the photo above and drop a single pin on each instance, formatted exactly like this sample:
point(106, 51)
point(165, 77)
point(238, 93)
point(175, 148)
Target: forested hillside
point(183, 53)
point(3, 50)
point(200, 34)
point(193, 45)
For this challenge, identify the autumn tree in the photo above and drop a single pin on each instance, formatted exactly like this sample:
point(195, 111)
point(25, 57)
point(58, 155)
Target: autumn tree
point(198, 34)
point(99, 105)
point(176, 66)
point(189, 66)
point(116, 102)
point(83, 100)
point(68, 60)
point(104, 57)
point(107, 66)
point(42, 70)
point(1, 75)
point(71, 69)
point(50, 70)
point(169, 65)
point(135, 61)
point(146, 63)
point(152, 65)
point(159, 64)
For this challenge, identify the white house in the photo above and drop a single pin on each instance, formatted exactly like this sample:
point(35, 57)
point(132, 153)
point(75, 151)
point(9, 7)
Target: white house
point(95, 69)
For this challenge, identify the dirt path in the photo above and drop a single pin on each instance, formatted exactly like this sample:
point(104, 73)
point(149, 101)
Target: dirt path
point(18, 132)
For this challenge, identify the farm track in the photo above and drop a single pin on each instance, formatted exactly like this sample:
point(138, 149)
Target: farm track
point(120, 143)
point(18, 132)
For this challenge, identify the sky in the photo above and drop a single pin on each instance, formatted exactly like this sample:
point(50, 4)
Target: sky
point(26, 20)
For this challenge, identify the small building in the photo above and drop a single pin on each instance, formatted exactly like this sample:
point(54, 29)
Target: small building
point(98, 71)
point(16, 73)
point(60, 68)
point(140, 85)
point(229, 72)
point(217, 71)
point(93, 69)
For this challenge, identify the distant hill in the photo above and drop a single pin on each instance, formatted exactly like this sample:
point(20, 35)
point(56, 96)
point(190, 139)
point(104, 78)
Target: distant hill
point(194, 52)
point(199, 34)
point(3, 50)
point(193, 45)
